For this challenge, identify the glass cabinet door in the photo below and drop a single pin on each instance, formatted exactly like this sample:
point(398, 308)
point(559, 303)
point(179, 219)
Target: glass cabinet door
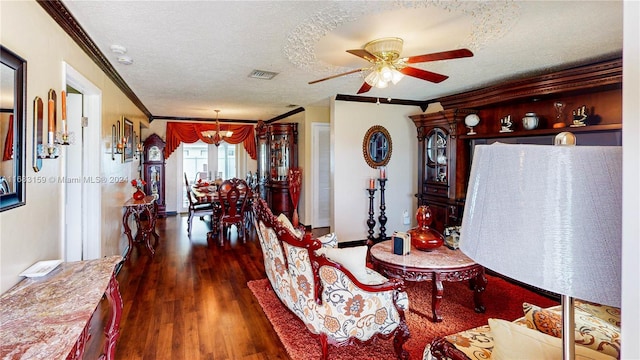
point(437, 157)
point(280, 157)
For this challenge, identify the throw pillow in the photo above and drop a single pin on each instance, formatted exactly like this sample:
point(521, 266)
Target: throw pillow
point(329, 240)
point(590, 330)
point(353, 259)
point(284, 220)
point(512, 341)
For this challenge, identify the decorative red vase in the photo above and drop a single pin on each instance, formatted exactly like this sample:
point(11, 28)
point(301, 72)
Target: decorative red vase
point(139, 194)
point(422, 236)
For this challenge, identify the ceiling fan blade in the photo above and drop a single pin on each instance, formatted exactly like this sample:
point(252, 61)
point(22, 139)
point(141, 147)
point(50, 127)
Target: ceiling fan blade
point(451, 54)
point(423, 74)
point(365, 87)
point(335, 76)
point(362, 53)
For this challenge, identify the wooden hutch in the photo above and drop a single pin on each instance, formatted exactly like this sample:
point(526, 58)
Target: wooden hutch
point(277, 147)
point(445, 150)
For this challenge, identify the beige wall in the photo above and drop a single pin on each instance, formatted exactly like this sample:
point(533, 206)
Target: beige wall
point(350, 173)
point(32, 232)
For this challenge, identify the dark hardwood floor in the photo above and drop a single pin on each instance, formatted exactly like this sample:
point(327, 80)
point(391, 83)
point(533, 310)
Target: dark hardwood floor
point(191, 300)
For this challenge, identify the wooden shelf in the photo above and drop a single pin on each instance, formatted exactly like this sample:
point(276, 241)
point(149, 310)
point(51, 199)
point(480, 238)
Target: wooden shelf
point(537, 132)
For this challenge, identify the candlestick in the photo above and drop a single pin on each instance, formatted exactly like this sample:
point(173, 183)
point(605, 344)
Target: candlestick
point(52, 121)
point(382, 218)
point(383, 173)
point(64, 112)
point(371, 223)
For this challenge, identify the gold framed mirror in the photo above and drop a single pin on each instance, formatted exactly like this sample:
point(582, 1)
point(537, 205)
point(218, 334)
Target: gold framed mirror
point(377, 146)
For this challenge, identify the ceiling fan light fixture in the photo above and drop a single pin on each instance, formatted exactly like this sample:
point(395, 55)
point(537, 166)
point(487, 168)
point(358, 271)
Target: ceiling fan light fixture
point(387, 49)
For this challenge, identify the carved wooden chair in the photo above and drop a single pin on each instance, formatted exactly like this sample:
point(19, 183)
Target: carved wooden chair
point(233, 195)
point(196, 208)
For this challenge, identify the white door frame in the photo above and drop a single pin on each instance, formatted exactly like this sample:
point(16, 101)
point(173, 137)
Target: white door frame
point(91, 199)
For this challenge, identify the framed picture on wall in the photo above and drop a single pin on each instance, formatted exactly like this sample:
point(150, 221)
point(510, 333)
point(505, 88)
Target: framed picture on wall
point(127, 154)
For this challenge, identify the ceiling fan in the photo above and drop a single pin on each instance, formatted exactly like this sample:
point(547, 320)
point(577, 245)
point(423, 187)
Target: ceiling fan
point(387, 66)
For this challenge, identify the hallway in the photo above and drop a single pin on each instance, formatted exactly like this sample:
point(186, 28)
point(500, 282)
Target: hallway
point(191, 300)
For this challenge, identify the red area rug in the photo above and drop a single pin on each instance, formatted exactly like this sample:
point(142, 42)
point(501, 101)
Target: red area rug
point(501, 298)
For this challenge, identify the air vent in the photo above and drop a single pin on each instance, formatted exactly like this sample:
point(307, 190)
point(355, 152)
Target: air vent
point(261, 74)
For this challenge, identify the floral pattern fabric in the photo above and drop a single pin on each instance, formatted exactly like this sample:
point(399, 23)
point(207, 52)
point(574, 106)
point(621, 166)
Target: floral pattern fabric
point(597, 327)
point(346, 311)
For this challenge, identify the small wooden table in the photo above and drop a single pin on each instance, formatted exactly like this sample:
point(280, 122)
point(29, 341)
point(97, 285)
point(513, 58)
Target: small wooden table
point(147, 208)
point(441, 264)
point(48, 317)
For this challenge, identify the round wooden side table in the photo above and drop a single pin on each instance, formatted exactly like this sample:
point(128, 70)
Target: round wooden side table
point(438, 265)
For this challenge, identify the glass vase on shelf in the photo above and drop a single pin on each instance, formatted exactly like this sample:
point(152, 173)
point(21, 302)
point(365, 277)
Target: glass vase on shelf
point(138, 184)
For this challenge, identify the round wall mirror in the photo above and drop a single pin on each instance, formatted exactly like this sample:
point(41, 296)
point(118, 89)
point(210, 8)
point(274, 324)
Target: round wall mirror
point(376, 146)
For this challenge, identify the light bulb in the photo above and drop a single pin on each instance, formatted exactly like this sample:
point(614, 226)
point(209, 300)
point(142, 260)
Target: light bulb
point(381, 84)
point(396, 76)
point(386, 73)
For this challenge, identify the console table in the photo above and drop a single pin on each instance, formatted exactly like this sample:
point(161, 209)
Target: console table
point(148, 208)
point(438, 265)
point(48, 317)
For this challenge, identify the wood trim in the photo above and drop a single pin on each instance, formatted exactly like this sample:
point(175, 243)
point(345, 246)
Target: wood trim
point(423, 104)
point(62, 16)
point(182, 118)
point(587, 78)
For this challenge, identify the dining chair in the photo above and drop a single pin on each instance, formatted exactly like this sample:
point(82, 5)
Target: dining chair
point(233, 195)
point(197, 208)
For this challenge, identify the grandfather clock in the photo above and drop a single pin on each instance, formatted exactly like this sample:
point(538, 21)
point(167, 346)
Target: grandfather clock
point(153, 170)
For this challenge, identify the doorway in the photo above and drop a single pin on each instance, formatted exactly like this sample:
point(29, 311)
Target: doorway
point(82, 204)
point(322, 174)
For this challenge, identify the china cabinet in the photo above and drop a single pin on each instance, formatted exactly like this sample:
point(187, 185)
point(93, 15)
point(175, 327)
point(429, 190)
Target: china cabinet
point(445, 145)
point(439, 185)
point(154, 171)
point(277, 152)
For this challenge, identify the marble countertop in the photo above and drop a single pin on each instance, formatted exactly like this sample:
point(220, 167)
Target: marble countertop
point(440, 258)
point(42, 318)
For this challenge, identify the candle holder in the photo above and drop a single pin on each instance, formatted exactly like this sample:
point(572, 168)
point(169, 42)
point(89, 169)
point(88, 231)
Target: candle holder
point(382, 218)
point(371, 223)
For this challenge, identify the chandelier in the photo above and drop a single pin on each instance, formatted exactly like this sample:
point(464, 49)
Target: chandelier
point(218, 136)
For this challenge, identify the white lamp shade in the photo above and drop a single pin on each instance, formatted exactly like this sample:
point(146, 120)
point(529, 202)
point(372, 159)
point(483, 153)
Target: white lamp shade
point(548, 216)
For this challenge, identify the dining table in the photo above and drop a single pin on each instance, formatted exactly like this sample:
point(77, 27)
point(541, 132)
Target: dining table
point(205, 192)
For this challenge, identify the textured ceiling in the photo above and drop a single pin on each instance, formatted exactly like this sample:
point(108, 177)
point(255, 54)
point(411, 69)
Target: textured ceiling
point(191, 57)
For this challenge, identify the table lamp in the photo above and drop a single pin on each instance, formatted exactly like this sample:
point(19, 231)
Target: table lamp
point(548, 216)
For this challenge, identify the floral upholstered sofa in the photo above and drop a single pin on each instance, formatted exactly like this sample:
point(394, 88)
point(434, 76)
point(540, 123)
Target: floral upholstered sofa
point(340, 300)
point(536, 335)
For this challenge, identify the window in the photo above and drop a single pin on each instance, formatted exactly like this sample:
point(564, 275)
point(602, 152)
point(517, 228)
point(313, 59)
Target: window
point(226, 160)
point(194, 160)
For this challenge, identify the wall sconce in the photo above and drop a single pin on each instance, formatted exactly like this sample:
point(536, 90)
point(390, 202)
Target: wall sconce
point(50, 149)
point(64, 137)
point(118, 141)
point(138, 146)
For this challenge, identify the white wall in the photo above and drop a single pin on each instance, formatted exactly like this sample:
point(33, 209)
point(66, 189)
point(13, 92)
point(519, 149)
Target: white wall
point(33, 232)
point(350, 173)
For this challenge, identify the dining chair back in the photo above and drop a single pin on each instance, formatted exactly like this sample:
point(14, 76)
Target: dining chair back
point(196, 208)
point(233, 195)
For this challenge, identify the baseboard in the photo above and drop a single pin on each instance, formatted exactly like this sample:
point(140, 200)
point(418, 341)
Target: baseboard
point(352, 243)
point(171, 213)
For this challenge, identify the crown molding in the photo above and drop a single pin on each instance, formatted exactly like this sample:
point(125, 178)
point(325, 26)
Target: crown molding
point(61, 15)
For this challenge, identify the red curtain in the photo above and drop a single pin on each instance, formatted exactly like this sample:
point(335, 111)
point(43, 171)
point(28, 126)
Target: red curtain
point(178, 132)
point(8, 144)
